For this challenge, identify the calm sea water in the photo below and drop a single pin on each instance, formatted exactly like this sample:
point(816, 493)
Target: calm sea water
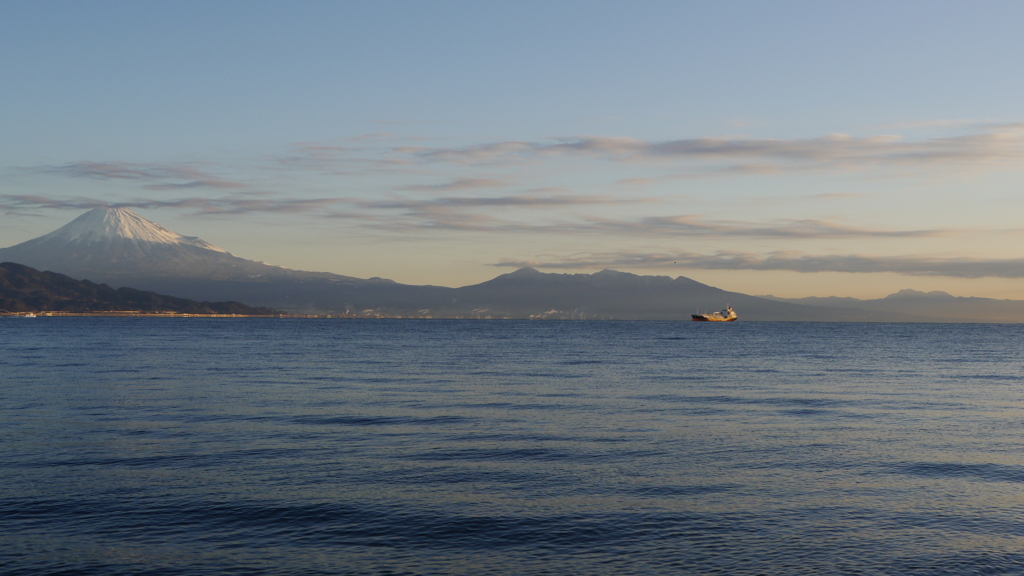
point(272, 446)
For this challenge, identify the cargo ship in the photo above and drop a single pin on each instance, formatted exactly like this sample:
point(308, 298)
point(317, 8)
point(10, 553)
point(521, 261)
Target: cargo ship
point(727, 315)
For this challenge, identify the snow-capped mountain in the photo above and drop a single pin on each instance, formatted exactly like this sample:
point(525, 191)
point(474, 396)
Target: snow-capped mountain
point(118, 247)
point(109, 225)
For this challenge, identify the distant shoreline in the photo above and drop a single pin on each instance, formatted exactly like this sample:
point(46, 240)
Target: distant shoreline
point(131, 314)
point(172, 314)
point(137, 314)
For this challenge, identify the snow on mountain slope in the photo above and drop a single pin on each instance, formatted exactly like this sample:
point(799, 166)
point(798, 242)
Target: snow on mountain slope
point(102, 224)
point(119, 247)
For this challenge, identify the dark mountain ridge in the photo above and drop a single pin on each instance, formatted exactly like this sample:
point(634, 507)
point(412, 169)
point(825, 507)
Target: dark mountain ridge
point(24, 289)
point(935, 306)
point(610, 294)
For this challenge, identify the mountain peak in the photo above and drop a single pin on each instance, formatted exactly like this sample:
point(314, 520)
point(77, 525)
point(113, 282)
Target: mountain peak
point(105, 224)
point(908, 293)
point(525, 272)
point(609, 273)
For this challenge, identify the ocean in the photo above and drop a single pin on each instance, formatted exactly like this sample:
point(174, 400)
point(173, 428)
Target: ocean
point(252, 446)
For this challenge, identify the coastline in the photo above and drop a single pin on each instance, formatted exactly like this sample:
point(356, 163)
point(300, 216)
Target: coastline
point(137, 314)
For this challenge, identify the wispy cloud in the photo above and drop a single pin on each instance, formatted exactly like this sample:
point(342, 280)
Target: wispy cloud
point(837, 195)
point(518, 200)
point(479, 213)
point(238, 204)
point(944, 123)
point(417, 213)
point(695, 225)
point(497, 214)
point(22, 202)
point(344, 156)
point(997, 144)
point(477, 154)
point(639, 181)
point(389, 154)
point(157, 177)
point(457, 185)
point(906, 265)
point(462, 214)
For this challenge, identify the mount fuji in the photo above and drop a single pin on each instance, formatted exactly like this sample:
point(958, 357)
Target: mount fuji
point(114, 245)
point(118, 247)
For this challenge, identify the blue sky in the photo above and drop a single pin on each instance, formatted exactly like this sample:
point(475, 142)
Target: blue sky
point(794, 148)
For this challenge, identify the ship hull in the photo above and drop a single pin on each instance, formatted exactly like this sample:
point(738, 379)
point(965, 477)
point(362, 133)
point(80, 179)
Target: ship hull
point(727, 315)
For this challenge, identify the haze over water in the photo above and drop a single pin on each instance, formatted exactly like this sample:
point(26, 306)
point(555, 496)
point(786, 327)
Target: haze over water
point(274, 446)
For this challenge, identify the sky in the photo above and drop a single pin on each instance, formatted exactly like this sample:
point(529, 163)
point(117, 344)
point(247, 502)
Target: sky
point(787, 148)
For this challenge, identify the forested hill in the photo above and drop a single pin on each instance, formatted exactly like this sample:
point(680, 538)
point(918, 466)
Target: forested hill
point(24, 289)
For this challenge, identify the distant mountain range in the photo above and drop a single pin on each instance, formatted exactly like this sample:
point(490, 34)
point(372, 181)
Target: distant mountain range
point(24, 289)
point(933, 306)
point(120, 248)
